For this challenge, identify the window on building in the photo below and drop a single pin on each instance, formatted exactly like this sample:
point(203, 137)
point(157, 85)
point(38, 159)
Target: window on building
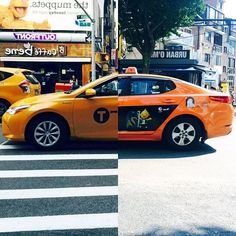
point(173, 47)
point(218, 39)
point(212, 14)
point(221, 6)
point(224, 69)
point(208, 36)
point(207, 57)
point(225, 49)
point(231, 62)
point(217, 60)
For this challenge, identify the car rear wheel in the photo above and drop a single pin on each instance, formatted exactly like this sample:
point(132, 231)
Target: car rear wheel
point(183, 133)
point(48, 132)
point(4, 105)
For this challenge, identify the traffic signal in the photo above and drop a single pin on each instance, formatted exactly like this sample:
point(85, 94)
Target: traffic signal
point(105, 57)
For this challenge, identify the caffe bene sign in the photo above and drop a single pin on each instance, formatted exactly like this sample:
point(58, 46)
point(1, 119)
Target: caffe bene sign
point(45, 50)
point(171, 54)
point(28, 50)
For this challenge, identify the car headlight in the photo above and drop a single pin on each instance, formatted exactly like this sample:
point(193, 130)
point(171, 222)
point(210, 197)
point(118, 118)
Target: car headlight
point(14, 110)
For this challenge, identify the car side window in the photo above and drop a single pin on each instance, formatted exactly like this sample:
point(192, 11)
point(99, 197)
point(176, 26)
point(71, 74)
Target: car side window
point(148, 86)
point(123, 86)
point(109, 88)
point(4, 75)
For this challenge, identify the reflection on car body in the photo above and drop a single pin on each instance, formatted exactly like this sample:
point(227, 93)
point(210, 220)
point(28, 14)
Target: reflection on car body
point(125, 107)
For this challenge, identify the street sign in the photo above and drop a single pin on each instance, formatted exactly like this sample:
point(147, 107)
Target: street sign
point(98, 39)
point(88, 39)
point(113, 54)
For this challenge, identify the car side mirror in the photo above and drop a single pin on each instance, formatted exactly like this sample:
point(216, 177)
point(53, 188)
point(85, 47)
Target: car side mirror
point(90, 92)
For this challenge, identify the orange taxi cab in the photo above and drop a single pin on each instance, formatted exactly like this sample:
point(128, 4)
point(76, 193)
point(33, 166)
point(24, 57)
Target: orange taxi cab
point(16, 84)
point(127, 106)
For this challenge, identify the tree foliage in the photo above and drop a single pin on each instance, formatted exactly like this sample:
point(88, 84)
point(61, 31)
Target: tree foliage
point(142, 22)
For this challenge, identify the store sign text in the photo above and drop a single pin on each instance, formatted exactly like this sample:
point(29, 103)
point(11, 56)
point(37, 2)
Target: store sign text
point(169, 54)
point(35, 36)
point(30, 50)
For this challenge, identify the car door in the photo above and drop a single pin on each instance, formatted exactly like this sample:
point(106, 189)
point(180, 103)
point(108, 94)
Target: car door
point(145, 105)
point(96, 117)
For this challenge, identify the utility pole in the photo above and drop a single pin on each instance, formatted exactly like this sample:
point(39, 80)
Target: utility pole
point(93, 62)
point(112, 30)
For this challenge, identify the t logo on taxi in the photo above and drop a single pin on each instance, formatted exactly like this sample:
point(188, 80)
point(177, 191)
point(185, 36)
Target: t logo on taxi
point(101, 115)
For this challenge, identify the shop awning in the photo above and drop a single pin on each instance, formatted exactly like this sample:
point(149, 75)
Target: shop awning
point(46, 59)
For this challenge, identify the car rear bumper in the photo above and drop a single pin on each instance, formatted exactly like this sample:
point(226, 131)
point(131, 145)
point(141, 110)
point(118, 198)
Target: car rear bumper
point(221, 122)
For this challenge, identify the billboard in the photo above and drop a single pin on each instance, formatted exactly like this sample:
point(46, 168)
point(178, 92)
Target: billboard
point(46, 15)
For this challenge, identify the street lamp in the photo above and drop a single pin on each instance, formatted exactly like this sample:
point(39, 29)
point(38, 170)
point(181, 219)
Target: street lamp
point(93, 62)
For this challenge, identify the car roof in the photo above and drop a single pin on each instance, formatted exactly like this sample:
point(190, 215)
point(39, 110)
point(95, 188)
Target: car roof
point(151, 76)
point(13, 70)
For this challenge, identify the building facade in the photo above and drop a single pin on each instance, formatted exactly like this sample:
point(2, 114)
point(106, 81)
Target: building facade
point(210, 48)
point(51, 38)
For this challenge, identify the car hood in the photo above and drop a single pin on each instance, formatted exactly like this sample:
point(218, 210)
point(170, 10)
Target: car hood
point(41, 99)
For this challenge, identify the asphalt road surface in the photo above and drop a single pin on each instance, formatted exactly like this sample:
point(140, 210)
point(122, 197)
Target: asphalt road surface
point(161, 192)
point(58, 193)
point(169, 193)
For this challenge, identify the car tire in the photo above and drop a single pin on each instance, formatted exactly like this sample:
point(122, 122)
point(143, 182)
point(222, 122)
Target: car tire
point(183, 133)
point(4, 105)
point(48, 132)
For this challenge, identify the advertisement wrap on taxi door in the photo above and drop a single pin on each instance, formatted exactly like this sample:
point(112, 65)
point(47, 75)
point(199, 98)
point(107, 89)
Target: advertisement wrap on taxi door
point(43, 15)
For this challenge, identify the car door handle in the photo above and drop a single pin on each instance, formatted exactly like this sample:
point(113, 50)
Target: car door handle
point(115, 111)
point(168, 101)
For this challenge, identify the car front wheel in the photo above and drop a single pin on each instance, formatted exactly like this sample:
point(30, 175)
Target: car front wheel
point(47, 132)
point(183, 133)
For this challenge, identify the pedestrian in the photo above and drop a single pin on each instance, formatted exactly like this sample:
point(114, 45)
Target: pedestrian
point(74, 82)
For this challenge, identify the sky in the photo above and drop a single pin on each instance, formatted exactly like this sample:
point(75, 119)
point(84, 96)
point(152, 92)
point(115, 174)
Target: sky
point(230, 8)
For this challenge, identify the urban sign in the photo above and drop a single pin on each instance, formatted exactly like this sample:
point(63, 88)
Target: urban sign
point(171, 54)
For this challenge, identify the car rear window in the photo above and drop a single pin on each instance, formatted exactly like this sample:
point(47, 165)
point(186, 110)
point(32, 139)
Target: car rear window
point(4, 75)
point(30, 77)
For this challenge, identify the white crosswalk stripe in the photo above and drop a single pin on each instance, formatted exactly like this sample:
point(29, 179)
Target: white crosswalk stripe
point(85, 198)
point(58, 157)
point(59, 222)
point(56, 173)
point(58, 192)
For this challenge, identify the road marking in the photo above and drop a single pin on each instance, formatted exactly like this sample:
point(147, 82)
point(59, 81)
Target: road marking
point(58, 192)
point(57, 173)
point(59, 157)
point(65, 222)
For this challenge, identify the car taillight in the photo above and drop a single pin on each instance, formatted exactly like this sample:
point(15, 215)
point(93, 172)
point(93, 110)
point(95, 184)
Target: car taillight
point(223, 99)
point(25, 86)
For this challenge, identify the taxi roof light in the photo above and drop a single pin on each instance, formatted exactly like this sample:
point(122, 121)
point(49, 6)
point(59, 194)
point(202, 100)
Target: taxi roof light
point(131, 70)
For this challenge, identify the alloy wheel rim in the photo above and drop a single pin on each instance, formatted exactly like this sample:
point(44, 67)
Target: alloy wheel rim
point(183, 134)
point(47, 133)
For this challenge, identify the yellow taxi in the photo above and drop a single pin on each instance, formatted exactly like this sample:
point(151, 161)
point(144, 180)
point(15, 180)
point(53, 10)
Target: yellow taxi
point(127, 106)
point(16, 84)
